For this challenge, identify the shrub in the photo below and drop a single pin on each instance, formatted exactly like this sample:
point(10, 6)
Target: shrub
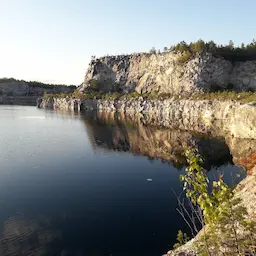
point(184, 57)
point(213, 204)
point(94, 85)
point(182, 238)
point(198, 46)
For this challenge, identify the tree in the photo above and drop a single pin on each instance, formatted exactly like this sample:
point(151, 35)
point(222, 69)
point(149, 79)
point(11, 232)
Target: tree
point(172, 48)
point(231, 44)
point(165, 49)
point(152, 50)
point(198, 46)
point(211, 46)
point(181, 47)
point(214, 205)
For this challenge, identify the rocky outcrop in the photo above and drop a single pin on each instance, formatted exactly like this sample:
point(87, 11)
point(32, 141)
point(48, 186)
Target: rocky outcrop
point(214, 118)
point(164, 73)
point(25, 93)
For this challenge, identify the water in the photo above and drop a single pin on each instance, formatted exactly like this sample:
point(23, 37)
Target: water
point(92, 184)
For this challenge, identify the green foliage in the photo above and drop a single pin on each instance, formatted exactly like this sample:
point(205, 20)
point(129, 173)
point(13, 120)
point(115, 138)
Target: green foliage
point(130, 95)
point(48, 86)
point(181, 47)
point(198, 46)
point(37, 84)
point(111, 96)
point(94, 85)
point(184, 57)
point(182, 238)
point(5, 79)
point(243, 97)
point(165, 49)
point(226, 229)
point(229, 51)
point(152, 50)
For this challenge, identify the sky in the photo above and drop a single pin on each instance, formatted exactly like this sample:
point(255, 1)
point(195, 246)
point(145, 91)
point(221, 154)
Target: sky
point(53, 40)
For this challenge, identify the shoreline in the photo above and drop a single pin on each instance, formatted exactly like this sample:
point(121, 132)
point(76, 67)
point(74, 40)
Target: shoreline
point(211, 117)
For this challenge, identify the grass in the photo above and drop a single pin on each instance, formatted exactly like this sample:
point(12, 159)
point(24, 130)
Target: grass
point(243, 97)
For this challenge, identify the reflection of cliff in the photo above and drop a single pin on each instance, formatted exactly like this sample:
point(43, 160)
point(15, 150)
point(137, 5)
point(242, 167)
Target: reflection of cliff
point(244, 152)
point(22, 237)
point(116, 132)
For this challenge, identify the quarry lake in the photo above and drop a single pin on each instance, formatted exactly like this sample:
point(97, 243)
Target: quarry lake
point(95, 184)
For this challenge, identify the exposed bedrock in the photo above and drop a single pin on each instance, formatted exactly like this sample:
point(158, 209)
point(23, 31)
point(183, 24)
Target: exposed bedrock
point(163, 73)
point(214, 118)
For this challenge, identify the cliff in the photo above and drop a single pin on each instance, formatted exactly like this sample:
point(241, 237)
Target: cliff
point(214, 118)
point(13, 91)
point(165, 73)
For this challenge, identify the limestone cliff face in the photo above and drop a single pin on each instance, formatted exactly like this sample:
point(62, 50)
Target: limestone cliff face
point(214, 118)
point(163, 73)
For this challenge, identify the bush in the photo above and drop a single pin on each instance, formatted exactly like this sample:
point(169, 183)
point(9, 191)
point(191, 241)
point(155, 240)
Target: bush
point(182, 238)
point(184, 57)
point(198, 46)
point(221, 215)
point(94, 85)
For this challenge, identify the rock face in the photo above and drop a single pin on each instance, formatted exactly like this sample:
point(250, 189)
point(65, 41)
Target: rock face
point(20, 92)
point(163, 73)
point(209, 117)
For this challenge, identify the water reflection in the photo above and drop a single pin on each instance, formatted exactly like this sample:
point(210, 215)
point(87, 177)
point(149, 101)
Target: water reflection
point(24, 237)
point(119, 132)
point(90, 192)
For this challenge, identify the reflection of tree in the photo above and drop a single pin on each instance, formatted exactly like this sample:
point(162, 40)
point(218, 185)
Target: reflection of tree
point(28, 237)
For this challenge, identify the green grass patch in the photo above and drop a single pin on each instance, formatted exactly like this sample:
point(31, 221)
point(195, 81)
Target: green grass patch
point(243, 97)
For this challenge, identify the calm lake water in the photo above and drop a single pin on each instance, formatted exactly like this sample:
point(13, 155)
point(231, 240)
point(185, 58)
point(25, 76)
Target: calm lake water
point(92, 184)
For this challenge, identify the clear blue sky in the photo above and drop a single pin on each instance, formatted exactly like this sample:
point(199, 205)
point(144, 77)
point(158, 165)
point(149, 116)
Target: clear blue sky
point(53, 40)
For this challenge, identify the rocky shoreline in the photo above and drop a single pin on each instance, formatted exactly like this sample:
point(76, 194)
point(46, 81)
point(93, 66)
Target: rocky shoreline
point(214, 118)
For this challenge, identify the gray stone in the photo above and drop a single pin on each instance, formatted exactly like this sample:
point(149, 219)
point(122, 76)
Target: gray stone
point(210, 117)
point(162, 73)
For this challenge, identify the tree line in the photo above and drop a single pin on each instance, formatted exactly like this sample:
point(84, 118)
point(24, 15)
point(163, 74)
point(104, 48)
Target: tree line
point(229, 51)
point(36, 83)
